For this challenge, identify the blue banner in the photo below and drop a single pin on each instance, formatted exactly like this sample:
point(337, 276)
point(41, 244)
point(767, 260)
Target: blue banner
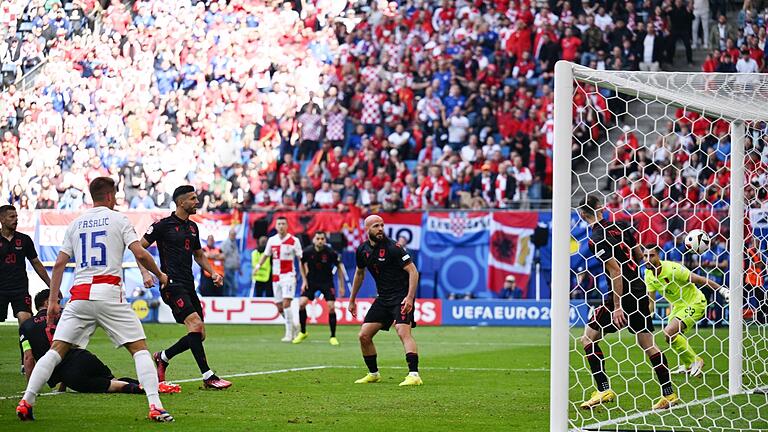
point(507, 313)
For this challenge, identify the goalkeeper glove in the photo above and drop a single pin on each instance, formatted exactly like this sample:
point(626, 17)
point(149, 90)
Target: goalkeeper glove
point(725, 292)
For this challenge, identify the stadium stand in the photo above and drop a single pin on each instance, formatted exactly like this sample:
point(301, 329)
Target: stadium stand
point(425, 104)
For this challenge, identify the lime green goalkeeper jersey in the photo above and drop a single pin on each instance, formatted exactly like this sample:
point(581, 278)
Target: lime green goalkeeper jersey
point(674, 284)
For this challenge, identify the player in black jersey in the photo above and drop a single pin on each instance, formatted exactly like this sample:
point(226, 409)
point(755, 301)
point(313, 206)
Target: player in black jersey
point(319, 262)
point(80, 369)
point(15, 247)
point(178, 242)
point(615, 245)
point(396, 279)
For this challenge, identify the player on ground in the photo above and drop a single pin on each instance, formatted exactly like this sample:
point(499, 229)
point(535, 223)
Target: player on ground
point(283, 248)
point(178, 241)
point(615, 245)
point(80, 369)
point(15, 247)
point(319, 261)
point(678, 285)
point(97, 241)
point(396, 280)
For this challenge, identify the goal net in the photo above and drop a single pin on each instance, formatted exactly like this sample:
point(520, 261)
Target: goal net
point(664, 153)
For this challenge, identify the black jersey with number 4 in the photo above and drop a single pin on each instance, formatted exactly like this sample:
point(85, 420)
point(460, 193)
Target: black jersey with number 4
point(320, 265)
point(176, 240)
point(13, 268)
point(617, 240)
point(386, 261)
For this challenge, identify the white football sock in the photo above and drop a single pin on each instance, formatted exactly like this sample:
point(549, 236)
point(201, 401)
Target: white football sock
point(288, 321)
point(40, 374)
point(147, 374)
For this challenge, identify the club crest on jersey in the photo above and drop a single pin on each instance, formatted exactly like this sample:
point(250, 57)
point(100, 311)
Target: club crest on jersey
point(18, 243)
point(382, 254)
point(180, 303)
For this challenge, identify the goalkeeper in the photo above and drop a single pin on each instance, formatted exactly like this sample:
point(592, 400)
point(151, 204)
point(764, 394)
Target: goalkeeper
point(678, 285)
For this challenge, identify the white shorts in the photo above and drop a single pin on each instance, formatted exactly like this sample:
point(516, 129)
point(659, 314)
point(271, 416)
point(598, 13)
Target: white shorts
point(285, 288)
point(80, 318)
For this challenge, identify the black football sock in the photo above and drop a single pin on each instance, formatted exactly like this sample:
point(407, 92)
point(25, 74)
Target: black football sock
point(413, 362)
point(370, 361)
point(659, 363)
point(596, 364)
point(196, 346)
point(332, 323)
point(303, 319)
point(179, 347)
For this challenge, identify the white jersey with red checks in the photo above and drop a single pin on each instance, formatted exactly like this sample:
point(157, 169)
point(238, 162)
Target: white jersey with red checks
point(97, 240)
point(283, 252)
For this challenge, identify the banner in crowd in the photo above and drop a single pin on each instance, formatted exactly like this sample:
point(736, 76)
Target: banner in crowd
point(511, 249)
point(263, 224)
point(507, 313)
point(406, 225)
point(233, 310)
point(453, 259)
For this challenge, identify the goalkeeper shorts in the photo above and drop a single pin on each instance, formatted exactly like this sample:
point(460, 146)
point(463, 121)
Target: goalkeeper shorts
point(689, 314)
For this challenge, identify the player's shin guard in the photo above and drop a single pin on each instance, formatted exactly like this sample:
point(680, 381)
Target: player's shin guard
point(413, 362)
point(332, 322)
point(179, 347)
point(684, 351)
point(196, 346)
point(147, 374)
point(596, 363)
point(42, 372)
point(370, 361)
point(659, 363)
point(303, 320)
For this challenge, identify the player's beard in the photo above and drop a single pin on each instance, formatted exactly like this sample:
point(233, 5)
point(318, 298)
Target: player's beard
point(376, 238)
point(191, 210)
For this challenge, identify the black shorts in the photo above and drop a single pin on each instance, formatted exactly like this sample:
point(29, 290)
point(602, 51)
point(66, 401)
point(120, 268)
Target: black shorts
point(388, 314)
point(639, 318)
point(183, 302)
point(20, 302)
point(328, 292)
point(84, 372)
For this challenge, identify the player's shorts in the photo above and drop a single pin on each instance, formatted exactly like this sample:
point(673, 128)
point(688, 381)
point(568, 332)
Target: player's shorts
point(21, 302)
point(386, 315)
point(80, 318)
point(689, 314)
point(84, 372)
point(639, 319)
point(183, 302)
point(285, 288)
point(328, 292)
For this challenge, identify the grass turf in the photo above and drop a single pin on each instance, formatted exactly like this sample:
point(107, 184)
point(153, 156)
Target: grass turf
point(458, 393)
point(476, 379)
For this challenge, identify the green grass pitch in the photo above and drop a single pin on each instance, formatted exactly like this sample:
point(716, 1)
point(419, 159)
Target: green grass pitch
point(476, 379)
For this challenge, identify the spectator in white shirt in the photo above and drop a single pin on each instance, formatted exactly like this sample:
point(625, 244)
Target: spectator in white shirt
point(399, 137)
point(458, 125)
point(746, 64)
point(325, 195)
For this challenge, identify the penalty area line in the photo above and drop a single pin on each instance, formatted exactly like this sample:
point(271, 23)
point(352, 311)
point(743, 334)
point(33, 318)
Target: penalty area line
point(245, 374)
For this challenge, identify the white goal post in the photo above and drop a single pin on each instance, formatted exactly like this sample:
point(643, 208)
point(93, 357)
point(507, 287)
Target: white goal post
point(739, 99)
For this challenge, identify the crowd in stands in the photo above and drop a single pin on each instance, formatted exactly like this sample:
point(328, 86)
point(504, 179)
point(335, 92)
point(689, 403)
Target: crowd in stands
point(322, 104)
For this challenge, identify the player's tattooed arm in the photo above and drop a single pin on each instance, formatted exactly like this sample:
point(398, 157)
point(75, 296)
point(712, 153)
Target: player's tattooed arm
point(205, 264)
point(357, 282)
point(41, 271)
point(614, 275)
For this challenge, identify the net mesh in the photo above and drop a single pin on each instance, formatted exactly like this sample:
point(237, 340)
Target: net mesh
point(655, 148)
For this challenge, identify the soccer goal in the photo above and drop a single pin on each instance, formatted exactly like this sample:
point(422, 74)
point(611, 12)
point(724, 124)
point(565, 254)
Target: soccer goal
point(666, 153)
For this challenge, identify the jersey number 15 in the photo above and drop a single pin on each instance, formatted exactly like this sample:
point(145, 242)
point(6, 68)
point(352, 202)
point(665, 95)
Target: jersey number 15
point(97, 249)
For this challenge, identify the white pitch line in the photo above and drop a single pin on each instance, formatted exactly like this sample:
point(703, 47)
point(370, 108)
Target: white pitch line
point(245, 374)
point(448, 368)
point(641, 414)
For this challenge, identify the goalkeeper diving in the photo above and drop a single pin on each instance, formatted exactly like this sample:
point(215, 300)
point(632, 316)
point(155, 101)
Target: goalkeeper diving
point(678, 285)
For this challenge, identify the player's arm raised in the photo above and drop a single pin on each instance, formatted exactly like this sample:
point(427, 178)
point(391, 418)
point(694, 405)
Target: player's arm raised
point(699, 281)
point(144, 260)
point(205, 264)
point(413, 282)
point(613, 269)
